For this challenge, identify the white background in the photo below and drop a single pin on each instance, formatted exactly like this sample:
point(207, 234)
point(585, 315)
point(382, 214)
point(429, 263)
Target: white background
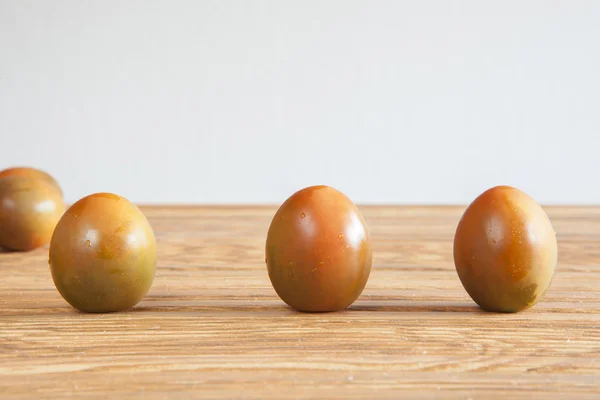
point(248, 101)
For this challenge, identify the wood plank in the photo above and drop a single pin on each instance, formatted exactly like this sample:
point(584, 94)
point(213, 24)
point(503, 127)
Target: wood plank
point(213, 327)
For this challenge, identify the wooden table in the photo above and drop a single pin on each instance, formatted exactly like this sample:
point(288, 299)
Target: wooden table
point(212, 326)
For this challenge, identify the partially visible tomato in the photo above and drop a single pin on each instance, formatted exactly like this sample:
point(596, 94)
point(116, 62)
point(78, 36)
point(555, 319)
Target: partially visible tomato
point(505, 250)
point(29, 211)
point(318, 250)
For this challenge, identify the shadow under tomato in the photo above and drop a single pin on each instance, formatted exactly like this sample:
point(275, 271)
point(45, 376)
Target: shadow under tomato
point(206, 310)
point(10, 251)
point(418, 308)
point(183, 305)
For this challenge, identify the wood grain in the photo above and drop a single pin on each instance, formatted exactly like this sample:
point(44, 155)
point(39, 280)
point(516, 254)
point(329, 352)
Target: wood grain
point(212, 326)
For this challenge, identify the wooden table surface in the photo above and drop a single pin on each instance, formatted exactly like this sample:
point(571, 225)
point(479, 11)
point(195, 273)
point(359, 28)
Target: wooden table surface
point(212, 326)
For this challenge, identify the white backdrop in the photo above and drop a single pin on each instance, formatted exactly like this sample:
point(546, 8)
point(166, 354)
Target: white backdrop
point(247, 101)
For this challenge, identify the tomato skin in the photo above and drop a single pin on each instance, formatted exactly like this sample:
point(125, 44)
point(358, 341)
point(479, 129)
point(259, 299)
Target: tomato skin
point(505, 250)
point(29, 211)
point(318, 250)
point(33, 173)
point(103, 254)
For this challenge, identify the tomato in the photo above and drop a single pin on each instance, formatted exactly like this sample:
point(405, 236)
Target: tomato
point(505, 250)
point(103, 254)
point(29, 211)
point(318, 250)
